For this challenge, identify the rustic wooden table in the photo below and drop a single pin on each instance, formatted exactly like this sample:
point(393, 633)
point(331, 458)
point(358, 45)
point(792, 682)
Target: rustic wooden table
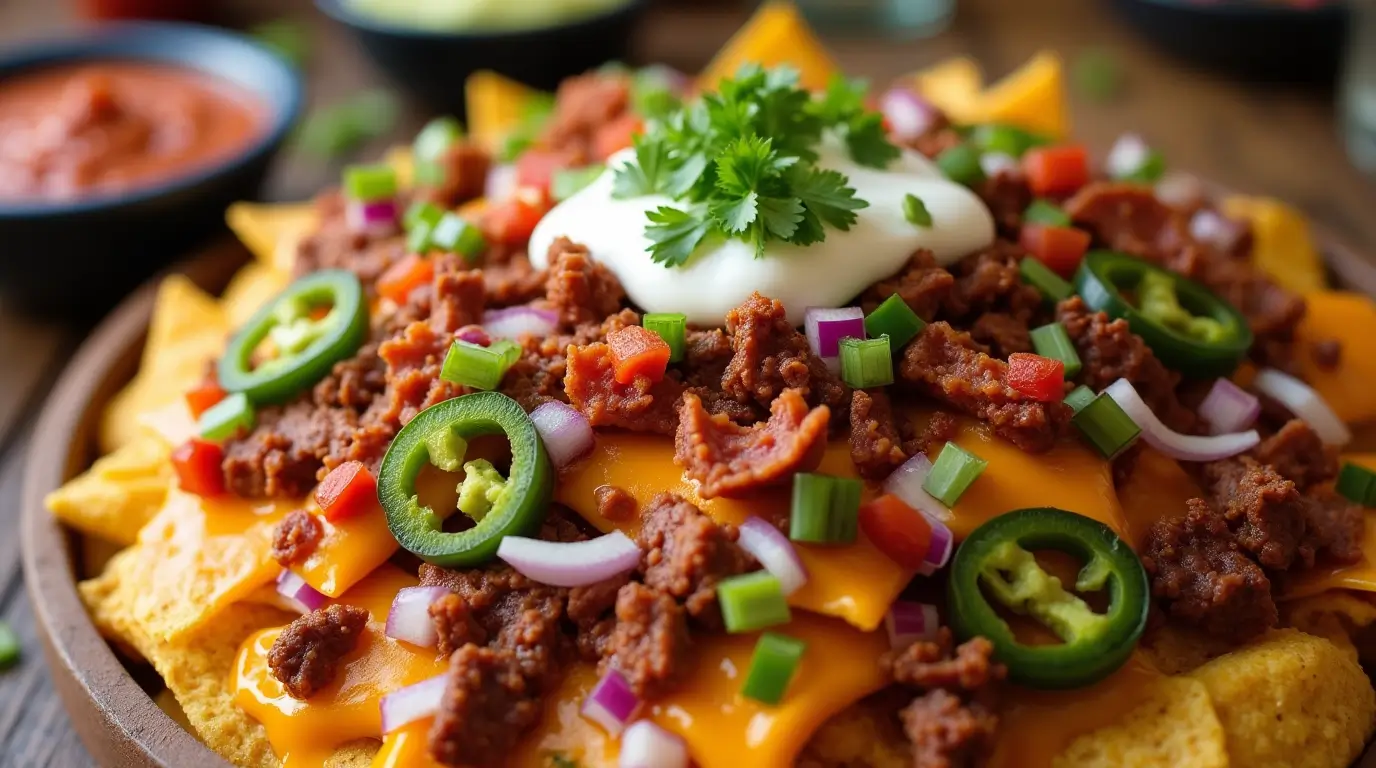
point(1253, 138)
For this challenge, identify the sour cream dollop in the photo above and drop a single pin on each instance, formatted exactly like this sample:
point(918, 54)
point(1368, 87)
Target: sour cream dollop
point(721, 275)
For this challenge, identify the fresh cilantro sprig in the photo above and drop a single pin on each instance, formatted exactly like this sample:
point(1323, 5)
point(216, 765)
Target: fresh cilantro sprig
point(742, 164)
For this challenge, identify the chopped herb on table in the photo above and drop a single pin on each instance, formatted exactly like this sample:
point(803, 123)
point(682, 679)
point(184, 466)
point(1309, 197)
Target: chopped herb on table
point(9, 646)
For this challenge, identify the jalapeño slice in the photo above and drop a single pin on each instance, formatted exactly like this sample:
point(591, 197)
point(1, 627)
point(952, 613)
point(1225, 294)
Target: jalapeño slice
point(439, 435)
point(996, 561)
point(307, 346)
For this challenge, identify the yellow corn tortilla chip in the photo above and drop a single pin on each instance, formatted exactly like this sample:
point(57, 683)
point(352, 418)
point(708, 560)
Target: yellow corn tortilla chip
point(358, 754)
point(777, 34)
point(187, 331)
point(119, 493)
point(252, 287)
point(1031, 97)
point(1338, 616)
point(861, 734)
point(1292, 700)
point(1175, 649)
point(1281, 245)
point(272, 230)
point(1175, 726)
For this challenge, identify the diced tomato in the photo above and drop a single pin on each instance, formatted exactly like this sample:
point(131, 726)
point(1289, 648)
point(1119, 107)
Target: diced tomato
point(536, 167)
point(898, 530)
point(408, 274)
point(1056, 170)
point(638, 352)
point(512, 221)
point(203, 396)
point(348, 490)
point(197, 463)
point(616, 135)
point(1040, 378)
point(1059, 248)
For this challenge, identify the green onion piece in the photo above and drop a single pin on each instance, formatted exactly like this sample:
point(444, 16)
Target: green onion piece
point(1079, 397)
point(772, 666)
point(370, 182)
point(752, 601)
point(227, 418)
point(961, 164)
point(476, 366)
point(915, 211)
point(566, 182)
point(419, 211)
point(418, 237)
point(952, 473)
point(9, 647)
point(1358, 484)
point(1004, 139)
point(1150, 171)
point(1043, 211)
point(866, 363)
point(1106, 426)
point(895, 319)
point(1039, 276)
point(673, 328)
point(826, 509)
point(451, 233)
point(1052, 341)
point(437, 136)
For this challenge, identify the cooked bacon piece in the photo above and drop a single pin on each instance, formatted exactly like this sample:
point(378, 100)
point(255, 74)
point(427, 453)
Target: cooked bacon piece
point(728, 459)
point(641, 406)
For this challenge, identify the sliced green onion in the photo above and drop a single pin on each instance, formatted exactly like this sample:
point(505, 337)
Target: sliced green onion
point(418, 237)
point(451, 233)
point(1039, 276)
point(1052, 341)
point(1079, 398)
point(1043, 211)
point(9, 647)
point(752, 601)
point(866, 363)
point(826, 509)
point(1358, 484)
point(673, 328)
point(961, 164)
point(227, 418)
point(366, 183)
point(437, 136)
point(895, 319)
point(566, 182)
point(952, 473)
point(772, 666)
point(479, 367)
point(1004, 139)
point(421, 211)
point(1106, 426)
point(915, 211)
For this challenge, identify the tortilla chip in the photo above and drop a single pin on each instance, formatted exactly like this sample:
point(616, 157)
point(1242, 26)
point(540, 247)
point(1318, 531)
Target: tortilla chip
point(1338, 616)
point(1291, 700)
point(119, 493)
point(1175, 650)
point(187, 331)
point(862, 734)
point(271, 231)
point(252, 287)
point(356, 754)
point(1176, 726)
point(1282, 247)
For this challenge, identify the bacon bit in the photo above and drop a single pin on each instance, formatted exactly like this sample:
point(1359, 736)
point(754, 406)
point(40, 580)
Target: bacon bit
point(728, 459)
point(405, 276)
point(638, 352)
point(1040, 378)
point(197, 463)
point(348, 490)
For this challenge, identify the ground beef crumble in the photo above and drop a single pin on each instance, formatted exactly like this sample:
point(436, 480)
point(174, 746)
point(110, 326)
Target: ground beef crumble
point(687, 554)
point(615, 503)
point(727, 459)
point(1297, 453)
point(771, 356)
point(946, 732)
point(578, 288)
point(650, 641)
point(296, 537)
point(923, 285)
point(875, 444)
point(489, 703)
point(951, 723)
point(306, 656)
point(1262, 509)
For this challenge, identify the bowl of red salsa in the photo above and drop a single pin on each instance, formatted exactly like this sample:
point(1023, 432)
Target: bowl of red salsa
point(120, 149)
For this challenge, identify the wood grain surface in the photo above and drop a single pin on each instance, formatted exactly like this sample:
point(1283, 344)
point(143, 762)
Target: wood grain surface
point(1251, 137)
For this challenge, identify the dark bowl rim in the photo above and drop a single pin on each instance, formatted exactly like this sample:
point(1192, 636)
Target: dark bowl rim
point(335, 10)
point(1239, 9)
point(88, 46)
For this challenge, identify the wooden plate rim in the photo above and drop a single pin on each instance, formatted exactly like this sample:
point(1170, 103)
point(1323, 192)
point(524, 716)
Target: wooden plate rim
point(116, 719)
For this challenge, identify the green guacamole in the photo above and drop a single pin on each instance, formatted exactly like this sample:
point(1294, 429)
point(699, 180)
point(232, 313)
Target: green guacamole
point(481, 15)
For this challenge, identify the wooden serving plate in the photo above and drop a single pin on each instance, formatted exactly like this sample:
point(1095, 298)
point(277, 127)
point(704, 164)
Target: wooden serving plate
point(114, 715)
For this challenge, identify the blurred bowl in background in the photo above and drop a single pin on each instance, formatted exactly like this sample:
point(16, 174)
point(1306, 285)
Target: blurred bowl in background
point(432, 65)
point(1271, 40)
point(78, 256)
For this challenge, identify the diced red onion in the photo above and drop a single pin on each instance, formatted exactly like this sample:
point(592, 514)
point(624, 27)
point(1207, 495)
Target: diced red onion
point(1304, 402)
point(908, 114)
point(500, 184)
point(409, 619)
point(646, 745)
point(566, 433)
point(774, 551)
point(1128, 155)
point(1172, 443)
point(412, 703)
point(908, 622)
point(515, 322)
point(906, 483)
point(611, 703)
point(1212, 228)
point(939, 551)
point(994, 163)
point(374, 217)
point(1229, 408)
point(570, 563)
point(298, 594)
point(826, 327)
point(474, 335)
point(1180, 190)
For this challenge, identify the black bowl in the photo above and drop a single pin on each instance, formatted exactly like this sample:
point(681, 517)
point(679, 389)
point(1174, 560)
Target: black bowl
point(78, 257)
point(433, 65)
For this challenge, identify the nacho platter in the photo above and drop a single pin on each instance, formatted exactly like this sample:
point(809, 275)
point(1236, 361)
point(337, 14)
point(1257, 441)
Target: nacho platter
point(1212, 695)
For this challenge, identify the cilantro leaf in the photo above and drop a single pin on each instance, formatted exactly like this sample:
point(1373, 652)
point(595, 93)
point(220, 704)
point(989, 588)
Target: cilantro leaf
point(826, 195)
point(843, 108)
point(675, 234)
point(645, 176)
point(780, 215)
point(736, 215)
point(867, 143)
